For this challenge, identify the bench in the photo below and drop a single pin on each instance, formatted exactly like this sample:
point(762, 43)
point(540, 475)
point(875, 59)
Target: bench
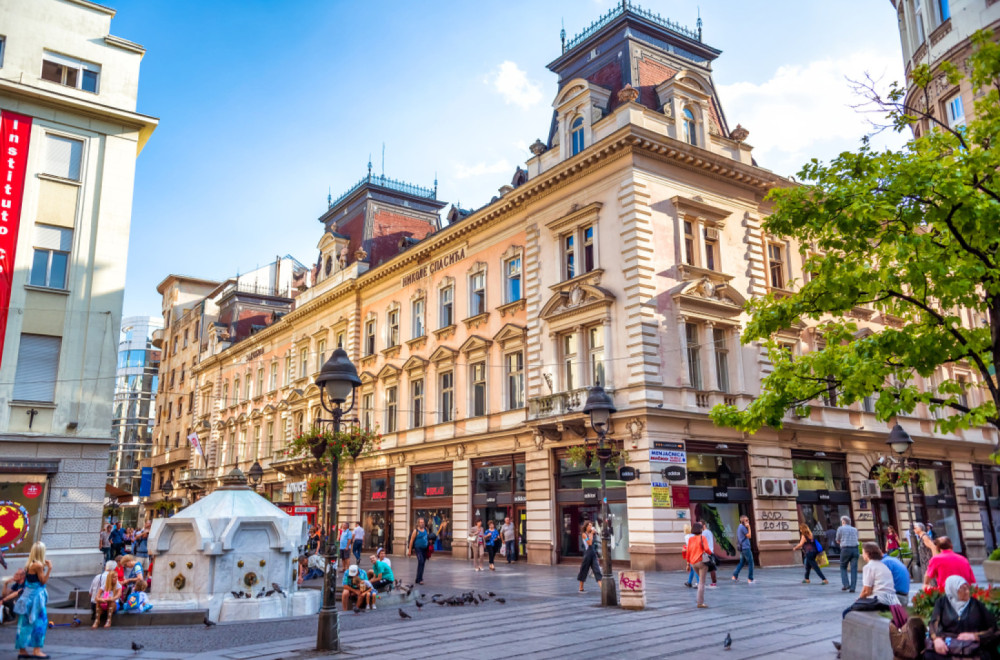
point(865, 636)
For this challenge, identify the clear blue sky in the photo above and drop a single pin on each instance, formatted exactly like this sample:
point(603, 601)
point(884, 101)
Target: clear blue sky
point(264, 106)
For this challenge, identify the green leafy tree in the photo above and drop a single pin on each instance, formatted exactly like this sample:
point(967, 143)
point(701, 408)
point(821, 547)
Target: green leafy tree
point(911, 235)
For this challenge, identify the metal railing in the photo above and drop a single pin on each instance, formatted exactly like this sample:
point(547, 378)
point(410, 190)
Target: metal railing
point(628, 6)
point(558, 403)
point(392, 184)
point(257, 289)
point(196, 474)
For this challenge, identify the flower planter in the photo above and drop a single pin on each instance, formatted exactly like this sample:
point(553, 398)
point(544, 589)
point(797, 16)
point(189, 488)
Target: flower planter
point(992, 570)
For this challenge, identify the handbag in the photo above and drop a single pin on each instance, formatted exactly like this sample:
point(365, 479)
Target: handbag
point(822, 560)
point(958, 648)
point(503, 550)
point(907, 640)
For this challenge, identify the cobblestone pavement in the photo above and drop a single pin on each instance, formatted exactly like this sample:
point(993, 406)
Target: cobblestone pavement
point(544, 617)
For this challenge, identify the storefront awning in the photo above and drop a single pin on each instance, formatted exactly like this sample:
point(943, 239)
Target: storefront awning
point(119, 495)
point(596, 483)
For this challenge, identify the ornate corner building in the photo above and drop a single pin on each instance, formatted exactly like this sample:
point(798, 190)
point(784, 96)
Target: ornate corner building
point(621, 255)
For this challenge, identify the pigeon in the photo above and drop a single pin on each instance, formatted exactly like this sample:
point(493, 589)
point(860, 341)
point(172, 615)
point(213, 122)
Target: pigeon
point(356, 610)
point(404, 615)
point(268, 593)
point(277, 587)
point(248, 595)
point(262, 593)
point(437, 595)
point(136, 647)
point(501, 601)
point(490, 594)
point(728, 643)
point(418, 603)
point(237, 594)
point(208, 622)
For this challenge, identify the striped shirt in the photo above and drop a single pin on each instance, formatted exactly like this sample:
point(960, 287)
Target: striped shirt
point(847, 536)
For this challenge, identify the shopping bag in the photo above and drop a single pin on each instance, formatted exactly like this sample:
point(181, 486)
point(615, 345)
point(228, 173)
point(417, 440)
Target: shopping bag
point(503, 550)
point(822, 560)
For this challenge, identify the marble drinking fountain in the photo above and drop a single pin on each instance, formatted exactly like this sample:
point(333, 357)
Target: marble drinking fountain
point(231, 541)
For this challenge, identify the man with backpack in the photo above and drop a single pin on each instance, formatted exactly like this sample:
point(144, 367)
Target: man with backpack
point(418, 544)
point(847, 539)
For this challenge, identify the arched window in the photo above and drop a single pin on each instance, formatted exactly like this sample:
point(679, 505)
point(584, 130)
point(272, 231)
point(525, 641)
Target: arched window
point(576, 130)
point(690, 136)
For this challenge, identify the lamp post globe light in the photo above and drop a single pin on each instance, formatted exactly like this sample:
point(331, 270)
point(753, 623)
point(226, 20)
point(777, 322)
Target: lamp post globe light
point(337, 380)
point(900, 442)
point(600, 406)
point(255, 475)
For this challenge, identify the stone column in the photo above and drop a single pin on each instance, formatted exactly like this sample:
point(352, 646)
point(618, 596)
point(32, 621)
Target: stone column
point(401, 524)
point(542, 524)
point(775, 520)
point(461, 508)
point(973, 539)
point(710, 379)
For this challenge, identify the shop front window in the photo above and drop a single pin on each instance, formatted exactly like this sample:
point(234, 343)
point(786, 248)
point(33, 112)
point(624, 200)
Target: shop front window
point(571, 475)
point(438, 520)
point(722, 519)
point(572, 518)
point(716, 470)
point(432, 484)
point(819, 474)
point(823, 520)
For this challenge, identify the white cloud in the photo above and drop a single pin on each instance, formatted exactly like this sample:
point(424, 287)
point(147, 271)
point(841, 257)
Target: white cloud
point(513, 85)
point(481, 168)
point(805, 111)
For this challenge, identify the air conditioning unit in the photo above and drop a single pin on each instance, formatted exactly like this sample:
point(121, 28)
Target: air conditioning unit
point(976, 493)
point(711, 233)
point(789, 487)
point(776, 487)
point(869, 488)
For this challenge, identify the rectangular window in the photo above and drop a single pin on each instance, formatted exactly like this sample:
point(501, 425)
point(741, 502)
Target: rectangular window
point(70, 71)
point(711, 237)
point(367, 404)
point(255, 453)
point(963, 397)
point(303, 362)
point(956, 112)
point(274, 376)
point(417, 403)
point(447, 306)
point(260, 381)
point(570, 350)
point(247, 387)
point(689, 243)
point(390, 409)
point(63, 157)
point(288, 368)
point(225, 394)
point(943, 5)
point(3, 42)
point(721, 359)
point(775, 255)
point(447, 387)
point(320, 355)
point(515, 380)
point(595, 346)
point(918, 17)
point(693, 355)
point(418, 318)
point(37, 368)
point(392, 323)
point(478, 377)
point(477, 294)
point(512, 277)
point(569, 256)
point(588, 249)
point(51, 258)
point(185, 345)
point(868, 404)
point(269, 449)
point(370, 338)
point(236, 389)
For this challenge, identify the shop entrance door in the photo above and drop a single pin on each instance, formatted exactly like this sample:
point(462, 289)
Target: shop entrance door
point(884, 514)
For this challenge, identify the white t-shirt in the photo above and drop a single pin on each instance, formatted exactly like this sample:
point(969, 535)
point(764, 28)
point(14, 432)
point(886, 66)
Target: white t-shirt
point(878, 576)
point(359, 534)
point(710, 538)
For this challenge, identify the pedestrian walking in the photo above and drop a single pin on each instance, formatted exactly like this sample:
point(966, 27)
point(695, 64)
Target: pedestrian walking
point(891, 539)
point(699, 556)
point(507, 535)
point(491, 537)
point(807, 544)
point(418, 546)
point(746, 554)
point(589, 540)
point(710, 539)
point(477, 544)
point(692, 575)
point(847, 539)
point(345, 547)
point(358, 540)
point(32, 607)
point(117, 538)
point(924, 545)
point(106, 542)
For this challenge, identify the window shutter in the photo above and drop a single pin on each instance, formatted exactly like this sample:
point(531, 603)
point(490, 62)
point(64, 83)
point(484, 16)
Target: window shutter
point(62, 157)
point(53, 238)
point(37, 366)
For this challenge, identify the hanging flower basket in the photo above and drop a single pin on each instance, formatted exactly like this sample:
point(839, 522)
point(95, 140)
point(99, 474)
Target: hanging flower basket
point(897, 477)
point(325, 445)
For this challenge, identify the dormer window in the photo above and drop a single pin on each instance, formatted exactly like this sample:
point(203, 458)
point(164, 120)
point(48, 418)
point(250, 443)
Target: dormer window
point(690, 128)
point(576, 133)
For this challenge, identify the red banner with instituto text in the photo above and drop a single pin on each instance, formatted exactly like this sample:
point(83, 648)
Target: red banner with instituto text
point(15, 133)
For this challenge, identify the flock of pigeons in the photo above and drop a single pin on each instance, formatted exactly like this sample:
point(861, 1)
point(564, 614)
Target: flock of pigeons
point(264, 593)
point(468, 597)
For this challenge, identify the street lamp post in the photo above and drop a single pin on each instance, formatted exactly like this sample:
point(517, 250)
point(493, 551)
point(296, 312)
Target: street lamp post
point(167, 488)
point(900, 442)
point(337, 380)
point(255, 475)
point(600, 406)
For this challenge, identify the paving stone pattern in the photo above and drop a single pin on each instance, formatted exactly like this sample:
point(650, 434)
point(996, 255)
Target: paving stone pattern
point(544, 617)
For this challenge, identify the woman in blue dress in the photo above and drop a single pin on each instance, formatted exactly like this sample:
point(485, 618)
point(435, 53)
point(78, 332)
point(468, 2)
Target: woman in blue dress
point(490, 537)
point(31, 607)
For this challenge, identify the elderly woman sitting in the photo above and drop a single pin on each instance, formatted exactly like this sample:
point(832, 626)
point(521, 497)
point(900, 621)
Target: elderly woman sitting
point(960, 625)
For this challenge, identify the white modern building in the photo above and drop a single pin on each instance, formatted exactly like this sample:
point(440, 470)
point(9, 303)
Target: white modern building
point(70, 135)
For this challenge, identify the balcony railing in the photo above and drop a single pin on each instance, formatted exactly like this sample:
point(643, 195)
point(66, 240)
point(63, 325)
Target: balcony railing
point(560, 403)
point(192, 476)
point(392, 184)
point(627, 6)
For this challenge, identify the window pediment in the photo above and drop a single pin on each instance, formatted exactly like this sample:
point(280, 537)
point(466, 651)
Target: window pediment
point(575, 299)
point(268, 409)
point(294, 396)
point(389, 372)
point(415, 363)
point(311, 391)
point(509, 333)
point(444, 354)
point(577, 216)
point(367, 378)
point(475, 343)
point(710, 298)
point(700, 210)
